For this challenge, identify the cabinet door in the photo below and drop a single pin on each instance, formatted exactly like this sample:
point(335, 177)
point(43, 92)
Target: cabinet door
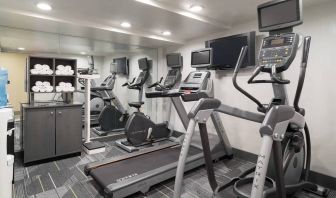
point(39, 134)
point(68, 130)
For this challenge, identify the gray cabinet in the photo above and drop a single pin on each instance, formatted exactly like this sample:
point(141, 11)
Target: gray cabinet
point(51, 131)
point(68, 130)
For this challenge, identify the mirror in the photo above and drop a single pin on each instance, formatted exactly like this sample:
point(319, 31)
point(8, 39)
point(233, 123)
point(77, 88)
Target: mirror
point(17, 45)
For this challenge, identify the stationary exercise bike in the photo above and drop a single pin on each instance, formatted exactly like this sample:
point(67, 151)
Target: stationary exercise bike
point(140, 130)
point(283, 164)
point(113, 116)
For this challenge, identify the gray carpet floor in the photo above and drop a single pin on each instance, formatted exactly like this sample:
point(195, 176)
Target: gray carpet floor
point(65, 178)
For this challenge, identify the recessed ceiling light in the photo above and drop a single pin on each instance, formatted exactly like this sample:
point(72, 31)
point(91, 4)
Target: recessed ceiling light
point(21, 48)
point(83, 53)
point(166, 33)
point(44, 6)
point(125, 24)
point(195, 8)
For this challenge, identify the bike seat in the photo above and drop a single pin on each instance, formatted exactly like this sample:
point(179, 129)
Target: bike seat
point(136, 104)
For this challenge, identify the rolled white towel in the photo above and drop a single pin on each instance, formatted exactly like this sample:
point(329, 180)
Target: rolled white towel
point(37, 66)
point(45, 66)
point(60, 67)
point(50, 72)
point(71, 72)
point(46, 83)
point(49, 89)
point(43, 89)
point(35, 89)
point(68, 67)
point(61, 84)
point(38, 83)
point(59, 89)
point(34, 71)
point(58, 72)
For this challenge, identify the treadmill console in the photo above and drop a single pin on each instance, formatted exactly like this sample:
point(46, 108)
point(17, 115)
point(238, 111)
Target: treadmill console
point(194, 87)
point(278, 51)
point(172, 78)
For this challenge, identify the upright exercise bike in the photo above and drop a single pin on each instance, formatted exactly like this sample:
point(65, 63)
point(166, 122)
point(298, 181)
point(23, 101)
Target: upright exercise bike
point(140, 130)
point(283, 164)
point(113, 116)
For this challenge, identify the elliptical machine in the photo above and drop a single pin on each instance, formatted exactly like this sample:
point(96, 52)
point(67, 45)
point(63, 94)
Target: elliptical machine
point(283, 164)
point(140, 130)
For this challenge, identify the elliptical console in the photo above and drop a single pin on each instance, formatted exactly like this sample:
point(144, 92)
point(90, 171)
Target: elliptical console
point(278, 51)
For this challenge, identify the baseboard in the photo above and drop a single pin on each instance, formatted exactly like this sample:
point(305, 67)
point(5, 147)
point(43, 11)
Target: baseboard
point(314, 177)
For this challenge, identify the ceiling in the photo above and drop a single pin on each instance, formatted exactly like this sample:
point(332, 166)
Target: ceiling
point(89, 21)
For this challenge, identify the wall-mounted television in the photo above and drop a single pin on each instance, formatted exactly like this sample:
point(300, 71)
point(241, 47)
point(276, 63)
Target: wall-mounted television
point(143, 63)
point(201, 58)
point(226, 50)
point(174, 60)
point(120, 65)
point(279, 15)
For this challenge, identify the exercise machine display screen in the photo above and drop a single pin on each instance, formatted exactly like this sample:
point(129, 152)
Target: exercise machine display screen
point(201, 58)
point(273, 17)
point(278, 51)
point(143, 64)
point(174, 60)
point(278, 41)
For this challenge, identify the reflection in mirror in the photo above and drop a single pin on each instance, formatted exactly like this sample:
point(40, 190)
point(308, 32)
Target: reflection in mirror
point(17, 45)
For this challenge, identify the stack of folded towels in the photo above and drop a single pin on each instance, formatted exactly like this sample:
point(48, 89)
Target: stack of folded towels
point(64, 70)
point(42, 87)
point(41, 69)
point(65, 87)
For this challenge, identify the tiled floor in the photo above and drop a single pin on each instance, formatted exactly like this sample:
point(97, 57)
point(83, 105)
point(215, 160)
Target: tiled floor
point(65, 178)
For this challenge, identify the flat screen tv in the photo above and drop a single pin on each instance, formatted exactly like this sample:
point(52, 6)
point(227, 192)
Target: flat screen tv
point(276, 15)
point(143, 63)
point(226, 50)
point(174, 60)
point(201, 58)
point(120, 65)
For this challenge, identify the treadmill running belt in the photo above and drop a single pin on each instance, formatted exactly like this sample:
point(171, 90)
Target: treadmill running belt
point(121, 170)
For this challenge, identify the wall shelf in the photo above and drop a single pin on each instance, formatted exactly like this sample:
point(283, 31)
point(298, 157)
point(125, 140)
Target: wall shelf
point(53, 79)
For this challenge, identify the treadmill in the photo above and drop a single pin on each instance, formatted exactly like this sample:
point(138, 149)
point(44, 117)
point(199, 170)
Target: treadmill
point(137, 172)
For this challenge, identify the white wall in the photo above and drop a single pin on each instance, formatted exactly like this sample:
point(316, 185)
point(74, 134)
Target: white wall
point(318, 96)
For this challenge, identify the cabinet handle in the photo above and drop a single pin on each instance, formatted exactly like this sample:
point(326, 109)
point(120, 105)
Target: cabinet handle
point(60, 112)
point(52, 113)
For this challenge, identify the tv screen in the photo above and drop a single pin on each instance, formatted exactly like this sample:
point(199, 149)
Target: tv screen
point(277, 15)
point(201, 58)
point(143, 64)
point(174, 60)
point(120, 65)
point(226, 50)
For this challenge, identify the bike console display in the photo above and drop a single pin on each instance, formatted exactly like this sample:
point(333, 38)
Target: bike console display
point(278, 52)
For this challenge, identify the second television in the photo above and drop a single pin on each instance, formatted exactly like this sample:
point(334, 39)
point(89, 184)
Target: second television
point(120, 65)
point(226, 50)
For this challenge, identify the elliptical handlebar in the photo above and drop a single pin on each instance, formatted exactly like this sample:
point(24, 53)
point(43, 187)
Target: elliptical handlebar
point(241, 57)
point(304, 61)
